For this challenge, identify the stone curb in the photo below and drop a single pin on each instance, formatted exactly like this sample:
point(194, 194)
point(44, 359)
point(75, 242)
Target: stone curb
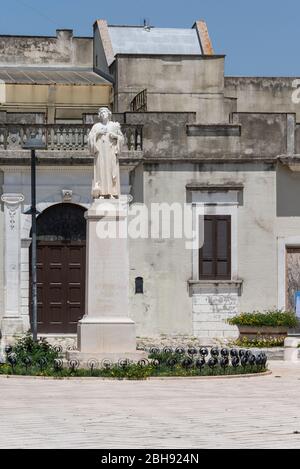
point(151, 378)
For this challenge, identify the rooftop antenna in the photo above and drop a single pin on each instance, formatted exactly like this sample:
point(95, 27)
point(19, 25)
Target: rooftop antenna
point(147, 26)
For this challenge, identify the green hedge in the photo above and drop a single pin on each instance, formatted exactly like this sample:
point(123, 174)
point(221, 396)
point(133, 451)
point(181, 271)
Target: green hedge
point(272, 318)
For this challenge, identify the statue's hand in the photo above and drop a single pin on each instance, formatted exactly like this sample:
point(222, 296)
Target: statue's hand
point(113, 136)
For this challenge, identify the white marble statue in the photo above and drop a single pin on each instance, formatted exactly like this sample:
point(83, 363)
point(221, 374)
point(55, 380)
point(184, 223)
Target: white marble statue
point(105, 142)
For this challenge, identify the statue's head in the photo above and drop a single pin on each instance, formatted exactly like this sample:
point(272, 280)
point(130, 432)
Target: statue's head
point(104, 114)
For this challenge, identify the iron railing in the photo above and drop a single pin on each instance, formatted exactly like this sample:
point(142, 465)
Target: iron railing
point(139, 102)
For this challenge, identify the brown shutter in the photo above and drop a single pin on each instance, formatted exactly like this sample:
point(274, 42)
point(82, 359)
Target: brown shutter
point(215, 255)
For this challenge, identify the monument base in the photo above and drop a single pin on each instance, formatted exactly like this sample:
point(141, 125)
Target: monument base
point(106, 331)
point(111, 338)
point(106, 334)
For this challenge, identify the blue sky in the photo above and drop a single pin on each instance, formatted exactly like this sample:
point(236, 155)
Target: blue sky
point(259, 37)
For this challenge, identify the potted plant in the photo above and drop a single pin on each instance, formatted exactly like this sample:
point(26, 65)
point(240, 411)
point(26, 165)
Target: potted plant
point(271, 323)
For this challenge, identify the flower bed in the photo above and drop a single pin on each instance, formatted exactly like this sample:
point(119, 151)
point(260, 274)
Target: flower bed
point(41, 359)
point(272, 323)
point(259, 341)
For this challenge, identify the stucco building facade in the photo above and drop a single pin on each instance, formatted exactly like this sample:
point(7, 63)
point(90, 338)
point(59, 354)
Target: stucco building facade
point(192, 136)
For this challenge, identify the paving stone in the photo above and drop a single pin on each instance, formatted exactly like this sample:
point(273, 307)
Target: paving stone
point(256, 412)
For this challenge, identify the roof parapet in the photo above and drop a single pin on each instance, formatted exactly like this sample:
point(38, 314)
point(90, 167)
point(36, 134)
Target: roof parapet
point(204, 39)
point(106, 40)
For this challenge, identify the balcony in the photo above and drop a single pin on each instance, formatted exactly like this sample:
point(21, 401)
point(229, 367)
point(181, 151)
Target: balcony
point(64, 137)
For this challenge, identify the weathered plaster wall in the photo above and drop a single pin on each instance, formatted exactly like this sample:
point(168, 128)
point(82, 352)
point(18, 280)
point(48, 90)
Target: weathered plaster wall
point(287, 192)
point(263, 94)
point(62, 50)
point(262, 134)
point(165, 136)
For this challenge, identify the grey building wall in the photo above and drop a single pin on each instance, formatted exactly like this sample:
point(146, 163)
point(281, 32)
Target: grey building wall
point(173, 83)
point(264, 94)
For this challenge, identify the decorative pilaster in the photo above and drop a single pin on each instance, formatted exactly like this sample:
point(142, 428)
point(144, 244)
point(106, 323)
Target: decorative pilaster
point(12, 322)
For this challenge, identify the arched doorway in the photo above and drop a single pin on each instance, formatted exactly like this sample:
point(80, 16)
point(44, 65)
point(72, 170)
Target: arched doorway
point(61, 241)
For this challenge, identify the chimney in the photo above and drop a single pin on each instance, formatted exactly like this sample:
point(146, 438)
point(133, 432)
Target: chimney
point(64, 34)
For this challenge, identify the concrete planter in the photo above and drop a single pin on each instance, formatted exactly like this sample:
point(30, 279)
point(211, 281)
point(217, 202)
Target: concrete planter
point(251, 332)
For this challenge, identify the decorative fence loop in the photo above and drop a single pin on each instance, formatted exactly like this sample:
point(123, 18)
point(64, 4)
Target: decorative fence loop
point(180, 350)
point(155, 362)
point(224, 352)
point(154, 351)
point(143, 362)
point(58, 348)
point(92, 364)
point(212, 362)
point(235, 362)
point(224, 362)
point(106, 364)
point(123, 363)
point(12, 360)
point(42, 362)
point(171, 362)
point(200, 363)
point(73, 364)
point(214, 352)
point(71, 348)
point(8, 349)
point(203, 351)
point(187, 363)
point(192, 351)
point(27, 362)
point(58, 364)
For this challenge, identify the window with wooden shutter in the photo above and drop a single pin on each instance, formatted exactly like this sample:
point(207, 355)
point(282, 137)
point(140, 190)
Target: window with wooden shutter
point(215, 255)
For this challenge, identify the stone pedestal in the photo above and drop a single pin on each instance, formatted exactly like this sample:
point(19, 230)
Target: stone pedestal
point(106, 331)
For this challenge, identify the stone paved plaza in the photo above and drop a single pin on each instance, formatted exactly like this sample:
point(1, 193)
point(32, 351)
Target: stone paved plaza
point(256, 412)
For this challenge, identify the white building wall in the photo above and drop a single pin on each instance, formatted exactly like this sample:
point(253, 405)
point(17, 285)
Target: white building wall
point(170, 304)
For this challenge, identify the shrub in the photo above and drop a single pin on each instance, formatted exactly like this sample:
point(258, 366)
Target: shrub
point(27, 347)
point(271, 318)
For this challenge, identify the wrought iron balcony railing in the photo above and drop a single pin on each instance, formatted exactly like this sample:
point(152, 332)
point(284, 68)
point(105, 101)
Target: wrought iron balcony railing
point(63, 137)
point(139, 102)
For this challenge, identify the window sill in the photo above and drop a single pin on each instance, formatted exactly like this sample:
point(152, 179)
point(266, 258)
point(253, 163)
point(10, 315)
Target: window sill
point(216, 282)
point(215, 286)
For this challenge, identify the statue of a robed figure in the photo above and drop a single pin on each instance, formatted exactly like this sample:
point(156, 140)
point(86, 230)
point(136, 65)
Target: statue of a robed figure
point(105, 144)
point(106, 331)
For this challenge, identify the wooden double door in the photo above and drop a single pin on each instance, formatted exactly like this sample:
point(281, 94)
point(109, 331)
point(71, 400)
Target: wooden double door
point(60, 285)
